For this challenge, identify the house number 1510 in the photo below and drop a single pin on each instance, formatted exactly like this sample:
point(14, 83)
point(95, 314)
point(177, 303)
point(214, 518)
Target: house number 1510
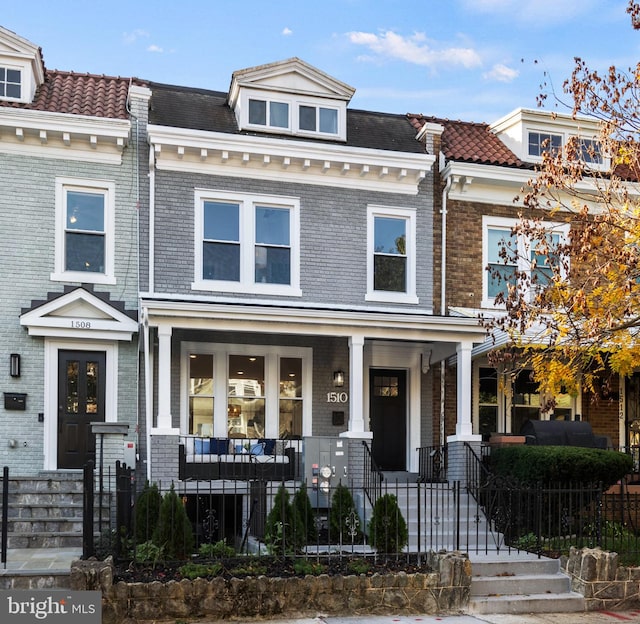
point(337, 397)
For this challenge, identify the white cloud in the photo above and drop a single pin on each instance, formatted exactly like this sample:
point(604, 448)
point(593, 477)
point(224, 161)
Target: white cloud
point(287, 31)
point(134, 35)
point(155, 48)
point(415, 49)
point(501, 73)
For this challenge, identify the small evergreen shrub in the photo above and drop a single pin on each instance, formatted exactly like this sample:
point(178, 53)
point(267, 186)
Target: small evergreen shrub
point(284, 532)
point(147, 513)
point(387, 528)
point(344, 522)
point(306, 514)
point(174, 532)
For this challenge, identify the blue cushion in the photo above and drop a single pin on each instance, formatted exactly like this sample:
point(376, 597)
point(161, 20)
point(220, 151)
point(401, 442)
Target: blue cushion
point(269, 446)
point(202, 446)
point(257, 449)
point(219, 446)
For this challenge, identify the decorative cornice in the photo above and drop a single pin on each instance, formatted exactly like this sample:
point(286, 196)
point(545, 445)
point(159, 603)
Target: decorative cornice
point(61, 135)
point(305, 162)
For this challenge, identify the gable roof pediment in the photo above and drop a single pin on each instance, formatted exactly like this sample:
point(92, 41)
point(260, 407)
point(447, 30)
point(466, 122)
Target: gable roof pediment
point(80, 313)
point(291, 76)
point(14, 46)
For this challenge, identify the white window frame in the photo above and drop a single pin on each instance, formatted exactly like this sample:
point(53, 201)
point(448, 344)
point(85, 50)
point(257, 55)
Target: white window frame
point(409, 216)
point(247, 283)
point(294, 114)
point(523, 251)
point(565, 137)
point(9, 67)
point(272, 355)
point(105, 187)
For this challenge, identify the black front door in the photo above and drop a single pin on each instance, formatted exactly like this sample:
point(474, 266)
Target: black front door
point(388, 416)
point(81, 393)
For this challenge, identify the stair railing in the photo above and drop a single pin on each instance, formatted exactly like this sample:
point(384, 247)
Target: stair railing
point(373, 477)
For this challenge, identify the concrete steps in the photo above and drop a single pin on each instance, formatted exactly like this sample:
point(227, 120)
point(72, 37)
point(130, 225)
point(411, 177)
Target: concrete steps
point(516, 584)
point(46, 511)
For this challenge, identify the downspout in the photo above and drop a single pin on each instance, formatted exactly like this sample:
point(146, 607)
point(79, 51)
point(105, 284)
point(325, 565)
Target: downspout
point(443, 298)
point(148, 390)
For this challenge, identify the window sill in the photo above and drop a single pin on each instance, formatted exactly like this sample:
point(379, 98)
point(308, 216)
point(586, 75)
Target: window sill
point(391, 297)
point(84, 278)
point(247, 289)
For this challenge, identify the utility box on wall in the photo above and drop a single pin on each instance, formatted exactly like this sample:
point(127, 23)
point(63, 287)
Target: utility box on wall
point(325, 466)
point(15, 401)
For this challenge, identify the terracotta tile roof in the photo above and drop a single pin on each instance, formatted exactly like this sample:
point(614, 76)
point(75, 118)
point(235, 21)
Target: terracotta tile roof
point(81, 94)
point(465, 141)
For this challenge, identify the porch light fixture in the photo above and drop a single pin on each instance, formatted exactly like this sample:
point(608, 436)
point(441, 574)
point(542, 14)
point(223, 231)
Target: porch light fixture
point(338, 378)
point(14, 365)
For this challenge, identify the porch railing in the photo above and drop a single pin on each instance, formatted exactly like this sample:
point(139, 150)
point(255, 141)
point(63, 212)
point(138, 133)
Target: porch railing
point(432, 464)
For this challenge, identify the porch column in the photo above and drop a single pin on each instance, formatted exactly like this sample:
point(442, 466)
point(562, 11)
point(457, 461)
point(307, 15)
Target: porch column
point(457, 470)
point(164, 380)
point(356, 386)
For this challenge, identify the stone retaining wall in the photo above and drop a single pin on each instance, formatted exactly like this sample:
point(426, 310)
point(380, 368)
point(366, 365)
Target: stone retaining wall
point(444, 590)
point(605, 585)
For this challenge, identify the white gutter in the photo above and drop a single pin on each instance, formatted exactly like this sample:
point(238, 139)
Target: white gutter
point(443, 299)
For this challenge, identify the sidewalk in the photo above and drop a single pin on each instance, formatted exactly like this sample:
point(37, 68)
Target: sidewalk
point(593, 617)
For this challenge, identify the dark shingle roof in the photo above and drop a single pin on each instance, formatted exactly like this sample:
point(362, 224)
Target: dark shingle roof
point(80, 94)
point(200, 109)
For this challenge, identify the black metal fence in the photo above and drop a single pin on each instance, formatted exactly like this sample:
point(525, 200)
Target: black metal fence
point(492, 516)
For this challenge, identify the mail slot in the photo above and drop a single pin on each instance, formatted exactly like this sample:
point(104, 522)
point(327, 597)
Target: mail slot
point(15, 401)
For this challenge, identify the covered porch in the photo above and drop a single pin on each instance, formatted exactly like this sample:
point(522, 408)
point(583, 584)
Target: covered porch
point(265, 373)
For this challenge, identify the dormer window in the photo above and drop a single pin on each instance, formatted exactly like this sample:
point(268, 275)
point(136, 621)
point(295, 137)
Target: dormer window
point(543, 142)
point(318, 119)
point(591, 152)
point(290, 98)
point(268, 113)
point(10, 83)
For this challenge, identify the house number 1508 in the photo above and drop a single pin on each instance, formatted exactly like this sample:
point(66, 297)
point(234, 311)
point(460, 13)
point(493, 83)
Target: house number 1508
point(337, 397)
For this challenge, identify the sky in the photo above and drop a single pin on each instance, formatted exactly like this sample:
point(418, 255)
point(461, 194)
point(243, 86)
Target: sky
point(474, 60)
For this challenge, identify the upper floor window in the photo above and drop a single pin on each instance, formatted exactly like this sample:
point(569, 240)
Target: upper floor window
point(10, 83)
point(268, 113)
point(85, 231)
point(391, 255)
point(247, 244)
point(318, 119)
point(288, 114)
point(507, 255)
point(590, 151)
point(542, 142)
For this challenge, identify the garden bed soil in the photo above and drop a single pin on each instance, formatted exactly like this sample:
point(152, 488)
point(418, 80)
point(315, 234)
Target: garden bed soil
point(280, 567)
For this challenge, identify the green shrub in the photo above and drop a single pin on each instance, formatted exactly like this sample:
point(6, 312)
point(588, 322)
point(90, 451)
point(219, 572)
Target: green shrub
point(174, 532)
point(309, 568)
point(194, 570)
point(306, 514)
point(283, 529)
point(560, 464)
point(216, 550)
point(344, 522)
point(387, 528)
point(147, 513)
point(149, 552)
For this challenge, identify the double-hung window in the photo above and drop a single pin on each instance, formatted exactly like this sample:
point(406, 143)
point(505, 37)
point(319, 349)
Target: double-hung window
point(507, 255)
point(10, 83)
point(391, 256)
point(85, 231)
point(247, 243)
